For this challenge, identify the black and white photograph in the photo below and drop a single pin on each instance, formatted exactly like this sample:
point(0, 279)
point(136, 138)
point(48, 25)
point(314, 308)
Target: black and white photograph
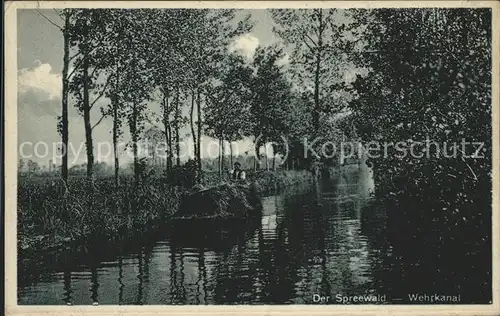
point(211, 154)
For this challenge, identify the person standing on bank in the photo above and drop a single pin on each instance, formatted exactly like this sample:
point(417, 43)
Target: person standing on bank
point(238, 174)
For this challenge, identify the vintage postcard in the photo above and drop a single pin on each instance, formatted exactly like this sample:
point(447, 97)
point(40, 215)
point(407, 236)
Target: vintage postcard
point(252, 157)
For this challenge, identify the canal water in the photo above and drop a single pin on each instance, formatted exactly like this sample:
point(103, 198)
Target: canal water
point(315, 238)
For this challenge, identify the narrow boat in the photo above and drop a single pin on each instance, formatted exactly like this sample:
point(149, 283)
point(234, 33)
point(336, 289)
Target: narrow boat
point(216, 217)
point(227, 201)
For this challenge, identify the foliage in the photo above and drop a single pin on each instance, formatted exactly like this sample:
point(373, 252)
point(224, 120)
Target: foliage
point(227, 112)
point(271, 97)
point(183, 176)
point(319, 39)
point(430, 79)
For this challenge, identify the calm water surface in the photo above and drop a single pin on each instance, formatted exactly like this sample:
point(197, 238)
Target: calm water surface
point(312, 239)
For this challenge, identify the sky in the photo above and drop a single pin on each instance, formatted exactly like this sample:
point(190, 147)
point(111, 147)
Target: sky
point(39, 61)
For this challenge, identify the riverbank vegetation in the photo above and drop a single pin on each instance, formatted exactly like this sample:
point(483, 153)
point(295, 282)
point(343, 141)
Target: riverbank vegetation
point(431, 82)
point(51, 217)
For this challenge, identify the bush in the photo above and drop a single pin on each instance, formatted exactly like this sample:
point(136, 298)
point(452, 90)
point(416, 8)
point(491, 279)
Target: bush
point(183, 176)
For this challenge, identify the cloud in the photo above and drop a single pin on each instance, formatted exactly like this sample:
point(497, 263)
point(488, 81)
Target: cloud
point(38, 103)
point(41, 80)
point(245, 45)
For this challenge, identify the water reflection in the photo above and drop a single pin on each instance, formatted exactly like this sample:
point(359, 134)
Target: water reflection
point(94, 285)
point(120, 281)
point(67, 287)
point(311, 239)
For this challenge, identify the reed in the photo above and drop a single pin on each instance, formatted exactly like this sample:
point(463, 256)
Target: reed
point(54, 216)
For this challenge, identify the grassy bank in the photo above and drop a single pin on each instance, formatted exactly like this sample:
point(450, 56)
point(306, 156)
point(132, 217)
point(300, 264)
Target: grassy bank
point(52, 217)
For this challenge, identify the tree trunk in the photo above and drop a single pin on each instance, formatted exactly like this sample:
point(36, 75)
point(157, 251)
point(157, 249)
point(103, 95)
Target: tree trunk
point(231, 153)
point(267, 158)
point(65, 94)
point(256, 158)
point(134, 136)
point(198, 147)
point(317, 71)
point(170, 161)
point(116, 127)
point(220, 157)
point(166, 125)
point(192, 125)
point(177, 127)
point(115, 137)
point(86, 119)
point(222, 153)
